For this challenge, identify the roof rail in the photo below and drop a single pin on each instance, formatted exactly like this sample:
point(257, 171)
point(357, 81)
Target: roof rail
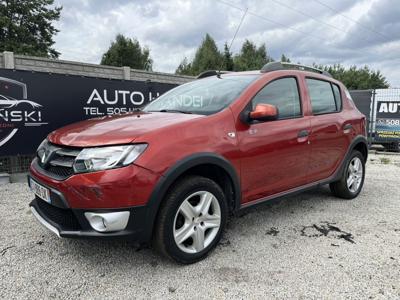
point(209, 73)
point(277, 65)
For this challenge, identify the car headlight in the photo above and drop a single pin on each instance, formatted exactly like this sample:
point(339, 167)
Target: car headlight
point(103, 158)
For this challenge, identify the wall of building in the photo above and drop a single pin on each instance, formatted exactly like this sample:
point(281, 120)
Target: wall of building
point(9, 60)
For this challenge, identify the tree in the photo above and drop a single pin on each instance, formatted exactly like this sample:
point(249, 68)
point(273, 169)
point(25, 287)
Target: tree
point(228, 60)
point(26, 27)
point(284, 58)
point(207, 56)
point(184, 68)
point(127, 52)
point(356, 78)
point(251, 57)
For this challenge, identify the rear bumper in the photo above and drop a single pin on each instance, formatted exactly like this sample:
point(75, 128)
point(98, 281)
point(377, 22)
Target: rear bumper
point(72, 223)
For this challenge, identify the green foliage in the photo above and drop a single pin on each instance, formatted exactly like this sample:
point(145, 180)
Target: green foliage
point(285, 59)
point(26, 27)
point(385, 160)
point(184, 68)
point(228, 60)
point(127, 52)
point(207, 56)
point(356, 78)
point(251, 57)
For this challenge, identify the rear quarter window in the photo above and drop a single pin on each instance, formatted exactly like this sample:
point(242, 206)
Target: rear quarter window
point(325, 97)
point(338, 96)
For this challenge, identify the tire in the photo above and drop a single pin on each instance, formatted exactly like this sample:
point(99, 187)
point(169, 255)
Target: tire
point(345, 187)
point(186, 230)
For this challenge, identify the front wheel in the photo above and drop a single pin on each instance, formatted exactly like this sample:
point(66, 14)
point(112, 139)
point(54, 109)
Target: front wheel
point(191, 220)
point(352, 179)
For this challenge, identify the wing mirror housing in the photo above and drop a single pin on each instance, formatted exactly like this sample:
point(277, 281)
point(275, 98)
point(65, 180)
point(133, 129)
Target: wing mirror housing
point(263, 112)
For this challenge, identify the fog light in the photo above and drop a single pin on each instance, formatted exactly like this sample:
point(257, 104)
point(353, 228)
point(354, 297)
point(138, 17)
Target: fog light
point(106, 222)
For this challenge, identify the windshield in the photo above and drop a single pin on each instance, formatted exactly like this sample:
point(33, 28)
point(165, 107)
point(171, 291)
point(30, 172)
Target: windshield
point(204, 96)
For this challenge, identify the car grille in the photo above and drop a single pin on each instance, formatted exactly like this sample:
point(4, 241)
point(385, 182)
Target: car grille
point(59, 162)
point(65, 218)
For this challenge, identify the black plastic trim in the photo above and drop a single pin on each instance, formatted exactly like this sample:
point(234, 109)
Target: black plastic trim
point(134, 230)
point(357, 140)
point(177, 170)
point(41, 170)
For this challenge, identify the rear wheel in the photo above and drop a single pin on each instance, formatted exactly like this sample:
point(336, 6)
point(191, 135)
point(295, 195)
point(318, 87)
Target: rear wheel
point(352, 179)
point(191, 220)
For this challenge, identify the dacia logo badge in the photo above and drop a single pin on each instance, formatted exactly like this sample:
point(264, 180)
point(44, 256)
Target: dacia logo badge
point(43, 155)
point(43, 158)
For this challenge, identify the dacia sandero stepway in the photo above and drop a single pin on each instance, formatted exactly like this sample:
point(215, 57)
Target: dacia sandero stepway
point(173, 172)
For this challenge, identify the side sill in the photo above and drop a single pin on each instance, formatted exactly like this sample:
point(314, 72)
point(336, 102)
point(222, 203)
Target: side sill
point(292, 191)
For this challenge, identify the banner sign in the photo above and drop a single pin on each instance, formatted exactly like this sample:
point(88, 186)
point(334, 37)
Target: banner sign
point(34, 104)
point(387, 125)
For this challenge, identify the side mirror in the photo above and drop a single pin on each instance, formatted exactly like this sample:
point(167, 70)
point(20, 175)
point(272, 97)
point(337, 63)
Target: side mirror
point(264, 112)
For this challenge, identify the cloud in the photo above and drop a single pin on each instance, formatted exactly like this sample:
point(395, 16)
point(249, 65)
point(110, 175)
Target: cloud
point(306, 31)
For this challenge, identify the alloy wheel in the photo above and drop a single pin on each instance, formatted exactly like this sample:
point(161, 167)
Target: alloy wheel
point(354, 174)
point(197, 222)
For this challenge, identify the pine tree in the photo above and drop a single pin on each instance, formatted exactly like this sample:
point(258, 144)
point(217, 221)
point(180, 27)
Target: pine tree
point(184, 68)
point(26, 27)
point(285, 59)
point(228, 60)
point(127, 52)
point(207, 56)
point(251, 57)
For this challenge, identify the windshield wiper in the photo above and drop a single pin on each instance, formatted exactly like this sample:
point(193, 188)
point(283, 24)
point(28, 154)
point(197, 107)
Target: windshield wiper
point(176, 110)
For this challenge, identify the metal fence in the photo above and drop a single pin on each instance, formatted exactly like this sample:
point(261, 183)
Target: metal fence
point(15, 164)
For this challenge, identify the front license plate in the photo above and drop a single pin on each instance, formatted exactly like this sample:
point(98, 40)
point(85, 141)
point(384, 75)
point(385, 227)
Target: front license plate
point(40, 191)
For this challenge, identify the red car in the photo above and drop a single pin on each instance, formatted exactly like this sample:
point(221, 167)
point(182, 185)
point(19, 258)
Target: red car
point(173, 172)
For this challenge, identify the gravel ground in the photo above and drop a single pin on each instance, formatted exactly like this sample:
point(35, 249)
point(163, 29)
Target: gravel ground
point(307, 246)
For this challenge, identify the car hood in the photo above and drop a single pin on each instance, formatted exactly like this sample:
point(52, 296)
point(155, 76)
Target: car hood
point(117, 129)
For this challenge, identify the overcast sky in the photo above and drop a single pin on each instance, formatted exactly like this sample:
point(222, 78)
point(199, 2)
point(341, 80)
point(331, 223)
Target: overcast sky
point(360, 32)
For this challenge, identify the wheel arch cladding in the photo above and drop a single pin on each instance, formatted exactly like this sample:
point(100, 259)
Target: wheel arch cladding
point(205, 164)
point(362, 147)
point(358, 143)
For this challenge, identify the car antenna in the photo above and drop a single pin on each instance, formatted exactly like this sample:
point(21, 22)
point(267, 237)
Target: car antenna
point(233, 39)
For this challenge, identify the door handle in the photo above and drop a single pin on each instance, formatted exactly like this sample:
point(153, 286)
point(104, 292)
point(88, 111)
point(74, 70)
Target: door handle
point(302, 133)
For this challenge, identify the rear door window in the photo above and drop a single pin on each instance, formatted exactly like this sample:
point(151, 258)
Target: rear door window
point(322, 96)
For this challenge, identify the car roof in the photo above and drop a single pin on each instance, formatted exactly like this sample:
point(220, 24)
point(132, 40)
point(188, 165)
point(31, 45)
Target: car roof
point(286, 72)
point(284, 68)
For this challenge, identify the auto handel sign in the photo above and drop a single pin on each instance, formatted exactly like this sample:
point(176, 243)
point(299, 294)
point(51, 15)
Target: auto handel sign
point(99, 102)
point(16, 111)
point(387, 115)
point(34, 104)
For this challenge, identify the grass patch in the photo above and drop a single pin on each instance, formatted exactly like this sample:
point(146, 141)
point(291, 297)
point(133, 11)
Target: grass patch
point(385, 160)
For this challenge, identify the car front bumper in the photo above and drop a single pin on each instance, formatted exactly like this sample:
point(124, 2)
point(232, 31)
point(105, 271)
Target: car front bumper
point(67, 213)
point(72, 223)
